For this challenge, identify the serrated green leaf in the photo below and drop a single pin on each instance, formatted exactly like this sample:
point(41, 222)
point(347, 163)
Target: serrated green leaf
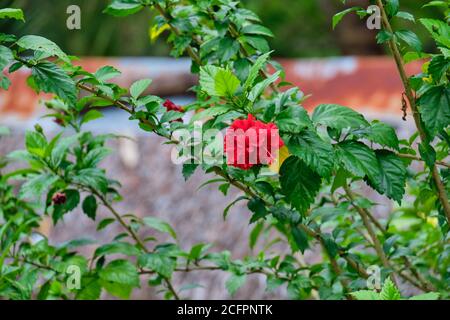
point(434, 107)
point(338, 117)
point(316, 153)
point(299, 183)
point(160, 225)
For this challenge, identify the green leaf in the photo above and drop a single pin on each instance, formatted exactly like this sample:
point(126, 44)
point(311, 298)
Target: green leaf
point(427, 153)
point(366, 295)
point(36, 186)
point(38, 43)
point(158, 262)
point(138, 87)
point(254, 234)
point(35, 143)
point(6, 56)
point(234, 283)
point(255, 68)
point(121, 272)
point(188, 170)
point(106, 73)
point(426, 296)
point(91, 115)
point(72, 201)
point(293, 119)
point(380, 133)
point(316, 153)
point(338, 16)
point(434, 107)
point(299, 183)
point(260, 87)
point(92, 178)
point(338, 117)
point(258, 208)
point(117, 247)
point(210, 112)
point(122, 8)
point(90, 206)
point(207, 79)
point(406, 16)
point(439, 30)
point(410, 38)
point(256, 29)
point(438, 67)
point(389, 291)
point(228, 47)
point(11, 13)
point(160, 225)
point(300, 238)
point(50, 78)
point(391, 178)
point(225, 83)
point(90, 289)
point(358, 159)
point(104, 223)
point(392, 7)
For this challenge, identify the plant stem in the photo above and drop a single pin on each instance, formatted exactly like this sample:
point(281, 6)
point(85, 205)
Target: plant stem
point(413, 157)
point(367, 223)
point(133, 234)
point(415, 112)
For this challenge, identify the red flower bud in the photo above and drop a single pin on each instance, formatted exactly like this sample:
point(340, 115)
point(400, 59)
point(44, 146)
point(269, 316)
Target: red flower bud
point(59, 198)
point(251, 142)
point(170, 106)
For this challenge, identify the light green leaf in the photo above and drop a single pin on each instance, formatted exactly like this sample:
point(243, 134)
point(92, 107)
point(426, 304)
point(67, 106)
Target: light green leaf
point(122, 8)
point(426, 296)
point(255, 68)
point(138, 87)
point(260, 87)
point(256, 29)
point(117, 247)
point(91, 115)
point(234, 283)
point(121, 272)
point(35, 143)
point(158, 262)
point(389, 291)
point(38, 43)
point(159, 225)
point(225, 83)
point(11, 13)
point(338, 16)
point(6, 56)
point(366, 295)
point(105, 73)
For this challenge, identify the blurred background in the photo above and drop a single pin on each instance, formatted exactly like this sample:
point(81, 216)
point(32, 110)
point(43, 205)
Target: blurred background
point(343, 66)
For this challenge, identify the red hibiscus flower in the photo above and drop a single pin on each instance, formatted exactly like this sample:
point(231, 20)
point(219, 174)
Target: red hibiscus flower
point(251, 142)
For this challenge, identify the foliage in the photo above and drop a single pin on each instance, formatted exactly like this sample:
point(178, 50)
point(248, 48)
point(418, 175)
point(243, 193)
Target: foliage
point(306, 199)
